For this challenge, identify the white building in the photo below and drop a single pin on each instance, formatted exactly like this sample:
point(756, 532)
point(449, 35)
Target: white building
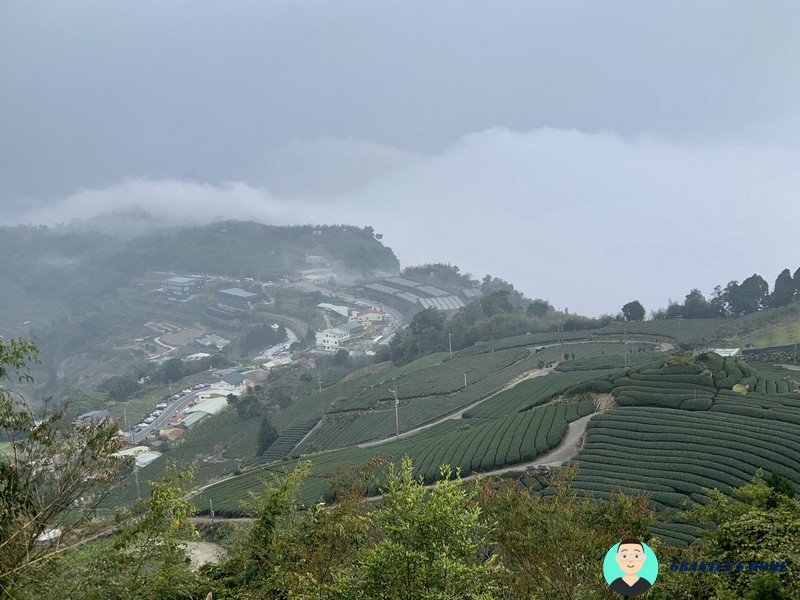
point(371, 316)
point(183, 287)
point(233, 382)
point(332, 339)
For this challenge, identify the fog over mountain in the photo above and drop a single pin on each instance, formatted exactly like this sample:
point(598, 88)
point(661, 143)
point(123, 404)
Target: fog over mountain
point(584, 151)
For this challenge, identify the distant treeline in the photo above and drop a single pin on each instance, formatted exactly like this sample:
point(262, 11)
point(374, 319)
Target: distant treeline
point(736, 299)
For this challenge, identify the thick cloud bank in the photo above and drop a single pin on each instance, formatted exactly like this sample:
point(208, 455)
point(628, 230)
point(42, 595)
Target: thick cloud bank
point(589, 221)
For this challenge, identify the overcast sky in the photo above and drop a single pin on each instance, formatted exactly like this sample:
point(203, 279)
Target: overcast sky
point(589, 152)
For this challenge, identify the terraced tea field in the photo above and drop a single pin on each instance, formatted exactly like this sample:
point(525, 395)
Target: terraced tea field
point(681, 428)
point(513, 434)
point(423, 392)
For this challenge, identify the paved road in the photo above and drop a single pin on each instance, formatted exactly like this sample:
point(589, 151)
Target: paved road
point(165, 416)
point(160, 343)
point(564, 452)
point(291, 338)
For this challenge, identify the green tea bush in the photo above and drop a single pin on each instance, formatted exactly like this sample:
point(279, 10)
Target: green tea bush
point(739, 409)
point(714, 361)
point(597, 386)
point(696, 404)
point(687, 369)
point(690, 379)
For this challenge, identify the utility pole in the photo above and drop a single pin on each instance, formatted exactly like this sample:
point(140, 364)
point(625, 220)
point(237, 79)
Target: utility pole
point(450, 340)
point(396, 413)
point(136, 477)
point(127, 426)
point(465, 380)
point(211, 507)
point(625, 344)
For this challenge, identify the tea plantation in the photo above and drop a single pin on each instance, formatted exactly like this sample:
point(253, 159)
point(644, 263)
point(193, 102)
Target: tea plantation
point(428, 389)
point(680, 427)
point(520, 426)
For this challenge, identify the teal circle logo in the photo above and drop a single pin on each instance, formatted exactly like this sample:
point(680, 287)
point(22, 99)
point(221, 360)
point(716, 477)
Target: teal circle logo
point(630, 567)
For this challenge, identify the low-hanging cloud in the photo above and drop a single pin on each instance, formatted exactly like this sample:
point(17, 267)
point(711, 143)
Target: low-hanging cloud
point(586, 220)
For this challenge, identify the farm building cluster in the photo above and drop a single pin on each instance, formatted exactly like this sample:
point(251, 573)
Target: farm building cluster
point(359, 323)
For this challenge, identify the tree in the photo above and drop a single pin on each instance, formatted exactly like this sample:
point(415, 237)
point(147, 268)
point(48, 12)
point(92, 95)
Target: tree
point(796, 279)
point(784, 290)
point(248, 405)
point(749, 296)
point(341, 358)
point(755, 524)
point(633, 311)
point(539, 308)
point(267, 434)
point(731, 295)
point(173, 370)
point(695, 306)
point(432, 543)
point(531, 529)
point(496, 303)
point(52, 468)
point(120, 387)
point(147, 557)
point(430, 318)
point(718, 303)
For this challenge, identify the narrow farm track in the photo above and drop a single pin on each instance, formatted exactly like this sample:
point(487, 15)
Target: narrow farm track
point(312, 430)
point(458, 414)
point(564, 452)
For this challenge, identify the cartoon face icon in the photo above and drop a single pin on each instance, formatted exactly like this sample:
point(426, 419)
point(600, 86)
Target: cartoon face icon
point(627, 570)
point(630, 558)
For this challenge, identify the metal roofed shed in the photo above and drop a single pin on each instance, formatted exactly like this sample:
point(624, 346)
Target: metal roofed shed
point(193, 418)
point(237, 297)
point(403, 282)
point(471, 293)
point(132, 451)
point(351, 326)
point(145, 458)
point(212, 406)
point(408, 297)
point(94, 416)
point(172, 433)
point(339, 310)
point(726, 351)
point(383, 289)
point(234, 378)
point(212, 339)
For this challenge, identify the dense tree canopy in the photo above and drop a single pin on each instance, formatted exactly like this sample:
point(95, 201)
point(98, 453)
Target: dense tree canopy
point(784, 290)
point(736, 299)
point(633, 311)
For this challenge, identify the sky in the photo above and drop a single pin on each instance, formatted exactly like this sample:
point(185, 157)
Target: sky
point(589, 152)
